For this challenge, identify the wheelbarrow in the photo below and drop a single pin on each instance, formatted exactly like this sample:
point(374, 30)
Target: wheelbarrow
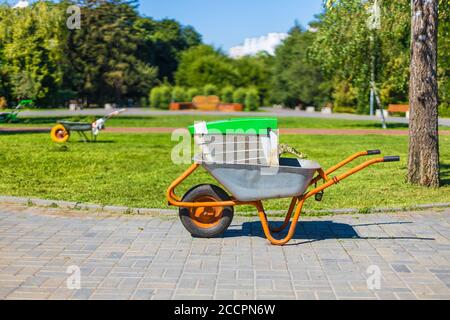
point(206, 210)
point(61, 132)
point(7, 117)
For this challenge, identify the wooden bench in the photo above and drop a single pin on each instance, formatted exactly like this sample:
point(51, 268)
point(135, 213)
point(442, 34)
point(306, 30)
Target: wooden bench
point(230, 107)
point(206, 103)
point(181, 106)
point(401, 108)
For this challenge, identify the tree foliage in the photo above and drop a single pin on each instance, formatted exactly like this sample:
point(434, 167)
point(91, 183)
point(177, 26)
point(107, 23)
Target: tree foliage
point(203, 64)
point(115, 55)
point(32, 50)
point(343, 47)
point(162, 43)
point(102, 71)
point(443, 58)
point(297, 79)
point(256, 71)
point(119, 54)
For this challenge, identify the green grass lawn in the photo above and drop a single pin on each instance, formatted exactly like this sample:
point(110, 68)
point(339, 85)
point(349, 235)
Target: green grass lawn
point(135, 169)
point(178, 121)
point(182, 121)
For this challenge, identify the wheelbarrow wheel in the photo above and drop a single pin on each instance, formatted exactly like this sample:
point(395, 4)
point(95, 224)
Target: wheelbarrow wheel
point(206, 222)
point(59, 134)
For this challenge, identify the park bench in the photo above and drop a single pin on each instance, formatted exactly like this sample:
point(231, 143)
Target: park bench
point(399, 108)
point(206, 103)
point(181, 106)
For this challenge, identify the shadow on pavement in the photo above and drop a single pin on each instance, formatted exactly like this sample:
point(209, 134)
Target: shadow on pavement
point(312, 231)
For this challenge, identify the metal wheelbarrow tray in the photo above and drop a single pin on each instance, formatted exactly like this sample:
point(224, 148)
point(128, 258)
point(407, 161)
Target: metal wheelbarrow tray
point(206, 210)
point(255, 182)
point(76, 126)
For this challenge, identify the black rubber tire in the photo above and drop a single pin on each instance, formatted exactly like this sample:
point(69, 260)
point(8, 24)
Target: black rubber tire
point(218, 194)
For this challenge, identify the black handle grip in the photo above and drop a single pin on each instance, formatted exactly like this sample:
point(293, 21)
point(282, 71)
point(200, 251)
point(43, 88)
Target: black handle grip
point(372, 152)
point(392, 159)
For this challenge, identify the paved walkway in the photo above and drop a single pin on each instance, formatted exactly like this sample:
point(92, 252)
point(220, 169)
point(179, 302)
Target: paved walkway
point(123, 257)
point(269, 112)
point(348, 132)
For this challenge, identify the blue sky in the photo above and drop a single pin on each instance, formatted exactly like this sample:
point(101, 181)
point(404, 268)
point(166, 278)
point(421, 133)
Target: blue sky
point(226, 23)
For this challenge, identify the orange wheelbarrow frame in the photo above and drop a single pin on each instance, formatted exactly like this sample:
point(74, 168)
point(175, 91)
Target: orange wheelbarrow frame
point(296, 202)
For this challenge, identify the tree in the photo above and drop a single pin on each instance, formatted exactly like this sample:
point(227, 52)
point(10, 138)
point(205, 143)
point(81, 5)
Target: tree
point(190, 37)
point(344, 44)
point(443, 60)
point(296, 78)
point(342, 47)
point(4, 13)
point(203, 65)
point(32, 50)
point(162, 43)
point(256, 71)
point(115, 55)
point(24, 86)
point(103, 55)
point(423, 161)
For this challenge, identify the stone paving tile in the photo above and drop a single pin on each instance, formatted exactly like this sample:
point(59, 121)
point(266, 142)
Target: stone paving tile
point(139, 257)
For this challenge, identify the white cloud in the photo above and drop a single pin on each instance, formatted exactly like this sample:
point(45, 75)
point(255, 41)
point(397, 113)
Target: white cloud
point(252, 46)
point(21, 4)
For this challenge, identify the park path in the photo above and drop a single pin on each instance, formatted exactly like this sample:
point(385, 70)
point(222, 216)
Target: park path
point(388, 132)
point(291, 131)
point(142, 257)
point(268, 112)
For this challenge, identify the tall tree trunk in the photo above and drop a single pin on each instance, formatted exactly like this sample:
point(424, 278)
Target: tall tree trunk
point(423, 162)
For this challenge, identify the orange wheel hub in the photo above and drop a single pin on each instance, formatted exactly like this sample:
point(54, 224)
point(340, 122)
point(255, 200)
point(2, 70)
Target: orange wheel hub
point(59, 134)
point(206, 217)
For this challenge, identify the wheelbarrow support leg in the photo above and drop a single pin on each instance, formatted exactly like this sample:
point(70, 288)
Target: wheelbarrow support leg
point(266, 228)
point(288, 217)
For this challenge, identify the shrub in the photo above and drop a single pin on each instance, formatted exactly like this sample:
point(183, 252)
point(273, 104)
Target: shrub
point(155, 97)
point(179, 94)
point(210, 90)
point(143, 103)
point(227, 95)
point(252, 100)
point(239, 96)
point(339, 109)
point(191, 93)
point(166, 97)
